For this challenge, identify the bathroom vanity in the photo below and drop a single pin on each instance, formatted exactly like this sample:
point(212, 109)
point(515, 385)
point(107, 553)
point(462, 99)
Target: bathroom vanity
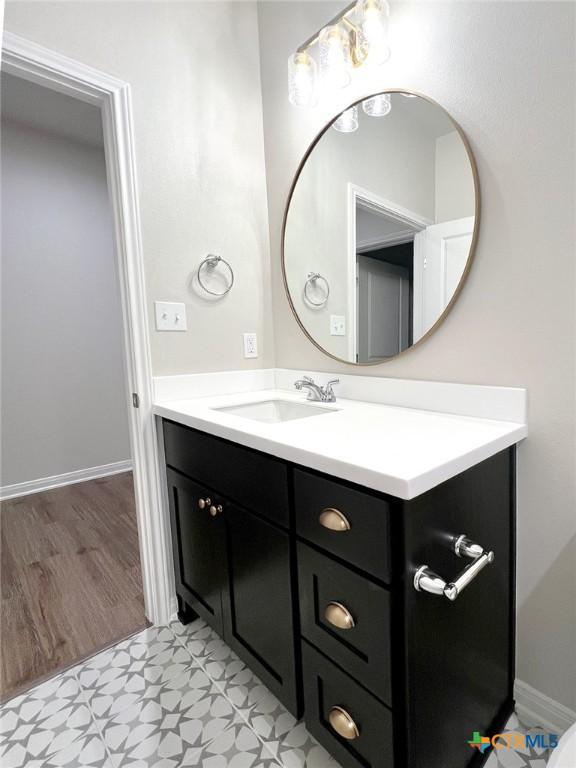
point(360, 557)
point(344, 599)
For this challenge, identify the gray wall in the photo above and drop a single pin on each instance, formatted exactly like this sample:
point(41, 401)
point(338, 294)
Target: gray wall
point(506, 73)
point(194, 72)
point(454, 195)
point(64, 404)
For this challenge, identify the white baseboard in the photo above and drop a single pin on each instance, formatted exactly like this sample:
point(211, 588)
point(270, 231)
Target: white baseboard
point(69, 478)
point(535, 708)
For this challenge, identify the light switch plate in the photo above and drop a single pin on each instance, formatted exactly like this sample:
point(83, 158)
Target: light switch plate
point(170, 316)
point(250, 345)
point(337, 325)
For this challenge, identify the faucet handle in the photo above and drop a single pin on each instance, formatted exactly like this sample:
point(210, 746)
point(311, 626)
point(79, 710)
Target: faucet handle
point(309, 379)
point(329, 395)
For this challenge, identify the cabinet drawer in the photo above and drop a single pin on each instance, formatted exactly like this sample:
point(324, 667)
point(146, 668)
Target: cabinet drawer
point(364, 541)
point(332, 598)
point(255, 481)
point(325, 688)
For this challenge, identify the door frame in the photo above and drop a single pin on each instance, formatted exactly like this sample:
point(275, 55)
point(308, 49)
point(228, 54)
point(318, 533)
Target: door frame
point(35, 63)
point(373, 201)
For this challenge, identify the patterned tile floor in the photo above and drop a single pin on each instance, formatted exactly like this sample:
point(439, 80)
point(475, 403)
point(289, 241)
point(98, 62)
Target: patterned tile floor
point(167, 697)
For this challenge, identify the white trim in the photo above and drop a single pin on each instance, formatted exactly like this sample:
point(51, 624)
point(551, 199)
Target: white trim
point(535, 708)
point(418, 286)
point(372, 201)
point(68, 478)
point(33, 62)
point(351, 273)
point(398, 238)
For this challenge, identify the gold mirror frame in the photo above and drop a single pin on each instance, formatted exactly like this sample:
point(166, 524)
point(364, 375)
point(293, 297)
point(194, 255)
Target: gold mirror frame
point(473, 245)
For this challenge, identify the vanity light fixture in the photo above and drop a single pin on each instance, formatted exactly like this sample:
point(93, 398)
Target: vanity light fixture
point(372, 20)
point(302, 79)
point(356, 37)
point(377, 106)
point(335, 56)
point(347, 122)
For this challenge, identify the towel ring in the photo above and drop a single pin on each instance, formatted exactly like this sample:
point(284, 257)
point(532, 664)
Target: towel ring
point(313, 277)
point(211, 261)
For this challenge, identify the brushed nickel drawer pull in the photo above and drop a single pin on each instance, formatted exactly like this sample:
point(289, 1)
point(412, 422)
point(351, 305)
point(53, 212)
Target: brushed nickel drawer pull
point(343, 723)
point(334, 520)
point(426, 580)
point(203, 503)
point(216, 510)
point(339, 616)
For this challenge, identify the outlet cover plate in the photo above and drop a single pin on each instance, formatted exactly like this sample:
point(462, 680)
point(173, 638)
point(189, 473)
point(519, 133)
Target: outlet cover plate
point(250, 345)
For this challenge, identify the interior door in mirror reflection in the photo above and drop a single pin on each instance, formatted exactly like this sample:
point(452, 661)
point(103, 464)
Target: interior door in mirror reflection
point(388, 214)
point(440, 257)
point(383, 309)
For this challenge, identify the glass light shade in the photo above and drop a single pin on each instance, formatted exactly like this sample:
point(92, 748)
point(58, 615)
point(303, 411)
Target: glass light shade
point(301, 79)
point(377, 106)
point(348, 121)
point(372, 21)
point(335, 56)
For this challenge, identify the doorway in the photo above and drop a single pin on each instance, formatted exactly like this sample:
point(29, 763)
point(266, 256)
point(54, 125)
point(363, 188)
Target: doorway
point(384, 301)
point(382, 246)
point(403, 271)
point(35, 63)
point(72, 580)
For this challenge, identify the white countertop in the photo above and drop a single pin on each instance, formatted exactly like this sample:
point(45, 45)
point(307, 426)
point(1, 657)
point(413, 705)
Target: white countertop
point(396, 450)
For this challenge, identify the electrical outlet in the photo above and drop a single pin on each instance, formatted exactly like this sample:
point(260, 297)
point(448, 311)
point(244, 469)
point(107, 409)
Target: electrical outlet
point(250, 345)
point(337, 325)
point(170, 316)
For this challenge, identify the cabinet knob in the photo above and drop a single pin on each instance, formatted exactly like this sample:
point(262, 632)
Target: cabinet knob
point(202, 503)
point(339, 616)
point(216, 510)
point(343, 723)
point(334, 520)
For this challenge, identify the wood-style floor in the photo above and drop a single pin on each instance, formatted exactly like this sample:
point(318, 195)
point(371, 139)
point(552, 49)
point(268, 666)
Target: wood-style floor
point(70, 580)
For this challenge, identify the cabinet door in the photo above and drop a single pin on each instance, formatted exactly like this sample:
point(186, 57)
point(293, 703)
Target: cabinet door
point(258, 605)
point(198, 546)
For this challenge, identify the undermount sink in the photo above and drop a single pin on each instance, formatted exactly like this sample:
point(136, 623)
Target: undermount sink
point(273, 411)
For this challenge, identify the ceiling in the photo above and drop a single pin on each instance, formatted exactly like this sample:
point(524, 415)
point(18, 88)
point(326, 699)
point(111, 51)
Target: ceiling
point(375, 228)
point(41, 108)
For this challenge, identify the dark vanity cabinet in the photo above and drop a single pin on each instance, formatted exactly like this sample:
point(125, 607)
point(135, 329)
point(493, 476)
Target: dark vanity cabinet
point(233, 551)
point(198, 546)
point(311, 580)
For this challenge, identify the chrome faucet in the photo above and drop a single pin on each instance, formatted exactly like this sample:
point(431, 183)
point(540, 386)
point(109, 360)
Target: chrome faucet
point(315, 391)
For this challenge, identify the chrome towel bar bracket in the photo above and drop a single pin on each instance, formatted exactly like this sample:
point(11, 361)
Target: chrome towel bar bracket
point(426, 580)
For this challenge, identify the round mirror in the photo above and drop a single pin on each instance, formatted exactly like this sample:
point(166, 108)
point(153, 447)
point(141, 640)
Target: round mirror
point(380, 227)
